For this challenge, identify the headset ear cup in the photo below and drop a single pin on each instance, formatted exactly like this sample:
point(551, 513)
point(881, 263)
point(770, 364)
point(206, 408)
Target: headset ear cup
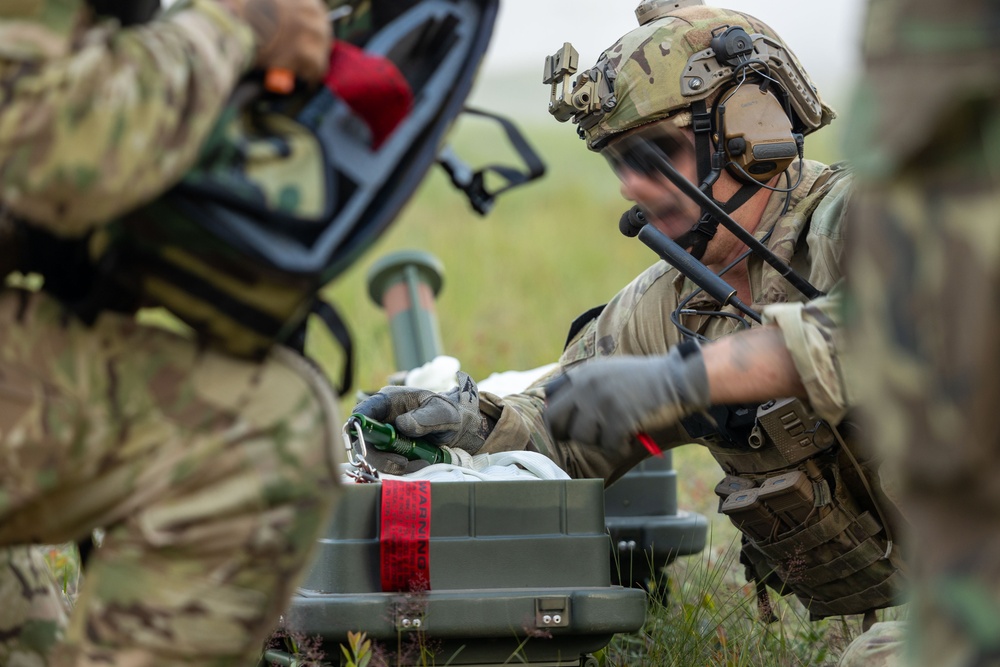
point(757, 135)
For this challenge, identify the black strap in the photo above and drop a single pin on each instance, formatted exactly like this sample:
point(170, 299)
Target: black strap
point(697, 237)
point(132, 12)
point(84, 548)
point(331, 318)
point(701, 124)
point(732, 423)
point(581, 321)
point(473, 184)
point(64, 263)
point(81, 286)
point(338, 329)
point(765, 608)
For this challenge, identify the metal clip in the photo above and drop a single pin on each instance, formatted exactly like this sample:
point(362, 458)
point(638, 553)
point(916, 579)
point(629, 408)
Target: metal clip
point(357, 451)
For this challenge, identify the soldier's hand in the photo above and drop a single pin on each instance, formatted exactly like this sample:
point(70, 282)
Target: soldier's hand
point(451, 418)
point(291, 34)
point(606, 402)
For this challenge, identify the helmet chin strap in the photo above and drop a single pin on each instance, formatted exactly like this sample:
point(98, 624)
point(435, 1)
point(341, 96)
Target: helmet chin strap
point(696, 239)
point(710, 164)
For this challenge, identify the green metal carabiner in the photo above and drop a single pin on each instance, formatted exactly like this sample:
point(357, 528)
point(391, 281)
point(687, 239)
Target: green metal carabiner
point(384, 437)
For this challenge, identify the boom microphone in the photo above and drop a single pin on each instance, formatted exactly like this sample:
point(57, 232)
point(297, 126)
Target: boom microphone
point(632, 221)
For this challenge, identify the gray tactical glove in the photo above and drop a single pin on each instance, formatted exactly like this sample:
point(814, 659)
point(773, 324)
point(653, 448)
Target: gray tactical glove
point(606, 402)
point(449, 419)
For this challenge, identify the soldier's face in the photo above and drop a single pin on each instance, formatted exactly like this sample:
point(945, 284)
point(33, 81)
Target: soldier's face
point(666, 207)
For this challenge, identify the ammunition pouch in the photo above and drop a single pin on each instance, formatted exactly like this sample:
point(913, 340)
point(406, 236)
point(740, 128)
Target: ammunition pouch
point(810, 527)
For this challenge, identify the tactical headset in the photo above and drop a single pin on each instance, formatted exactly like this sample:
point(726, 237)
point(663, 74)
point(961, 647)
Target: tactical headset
point(751, 127)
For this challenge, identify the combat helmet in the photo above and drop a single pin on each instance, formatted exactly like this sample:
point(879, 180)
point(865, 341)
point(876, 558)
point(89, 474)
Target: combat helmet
point(679, 56)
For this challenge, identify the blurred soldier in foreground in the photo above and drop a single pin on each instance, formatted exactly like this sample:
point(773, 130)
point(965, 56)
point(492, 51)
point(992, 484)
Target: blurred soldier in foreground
point(209, 473)
point(701, 113)
point(924, 269)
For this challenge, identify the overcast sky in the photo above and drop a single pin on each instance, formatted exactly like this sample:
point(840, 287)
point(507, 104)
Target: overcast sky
point(824, 35)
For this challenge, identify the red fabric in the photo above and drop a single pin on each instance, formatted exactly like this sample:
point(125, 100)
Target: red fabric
point(372, 86)
point(405, 534)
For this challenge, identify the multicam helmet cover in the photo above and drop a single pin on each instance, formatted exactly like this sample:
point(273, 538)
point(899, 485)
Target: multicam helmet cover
point(659, 69)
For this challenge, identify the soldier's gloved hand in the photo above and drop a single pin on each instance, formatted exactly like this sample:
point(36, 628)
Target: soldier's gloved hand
point(291, 34)
point(451, 418)
point(606, 402)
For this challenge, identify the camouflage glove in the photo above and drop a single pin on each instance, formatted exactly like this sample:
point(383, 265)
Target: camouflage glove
point(291, 34)
point(605, 402)
point(449, 419)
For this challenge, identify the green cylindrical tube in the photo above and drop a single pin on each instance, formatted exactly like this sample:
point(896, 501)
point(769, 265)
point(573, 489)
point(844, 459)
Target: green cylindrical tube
point(405, 285)
point(384, 437)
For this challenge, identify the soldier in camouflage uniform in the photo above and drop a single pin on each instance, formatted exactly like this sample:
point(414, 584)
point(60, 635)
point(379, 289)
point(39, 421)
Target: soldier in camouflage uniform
point(925, 273)
point(627, 369)
point(209, 474)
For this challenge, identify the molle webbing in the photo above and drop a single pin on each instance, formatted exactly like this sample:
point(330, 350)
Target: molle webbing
point(857, 580)
point(856, 559)
point(807, 529)
point(824, 530)
point(888, 590)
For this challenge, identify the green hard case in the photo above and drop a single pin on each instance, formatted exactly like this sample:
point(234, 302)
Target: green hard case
point(519, 574)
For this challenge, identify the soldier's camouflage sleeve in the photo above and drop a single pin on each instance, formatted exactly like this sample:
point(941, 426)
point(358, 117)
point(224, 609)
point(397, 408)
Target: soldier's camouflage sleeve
point(813, 330)
point(96, 119)
point(814, 337)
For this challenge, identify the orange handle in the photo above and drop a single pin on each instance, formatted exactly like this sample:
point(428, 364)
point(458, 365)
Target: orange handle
point(279, 80)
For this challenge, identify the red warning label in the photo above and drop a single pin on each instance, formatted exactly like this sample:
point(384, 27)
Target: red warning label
point(405, 545)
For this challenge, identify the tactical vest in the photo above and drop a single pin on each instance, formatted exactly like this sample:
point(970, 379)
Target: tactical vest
point(806, 497)
point(808, 502)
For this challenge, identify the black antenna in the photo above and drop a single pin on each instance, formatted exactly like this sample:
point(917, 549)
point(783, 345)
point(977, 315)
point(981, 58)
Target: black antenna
point(652, 156)
point(697, 272)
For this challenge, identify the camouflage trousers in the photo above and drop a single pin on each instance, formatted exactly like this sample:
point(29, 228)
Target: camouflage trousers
point(925, 278)
point(210, 477)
